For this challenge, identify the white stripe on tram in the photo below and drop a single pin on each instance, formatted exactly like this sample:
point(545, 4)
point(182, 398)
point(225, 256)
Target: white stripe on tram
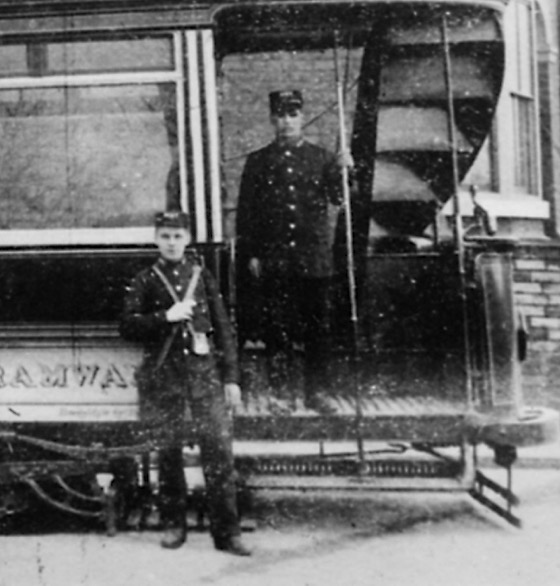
point(181, 121)
point(195, 127)
point(213, 150)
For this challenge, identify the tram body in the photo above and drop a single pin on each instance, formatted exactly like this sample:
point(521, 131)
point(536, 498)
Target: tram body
point(110, 112)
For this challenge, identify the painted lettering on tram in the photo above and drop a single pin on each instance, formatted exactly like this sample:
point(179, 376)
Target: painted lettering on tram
point(62, 376)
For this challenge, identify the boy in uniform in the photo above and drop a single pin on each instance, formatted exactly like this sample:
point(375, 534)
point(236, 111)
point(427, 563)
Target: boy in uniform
point(175, 310)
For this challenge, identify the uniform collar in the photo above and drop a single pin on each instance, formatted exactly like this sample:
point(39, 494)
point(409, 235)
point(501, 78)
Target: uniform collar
point(288, 147)
point(168, 264)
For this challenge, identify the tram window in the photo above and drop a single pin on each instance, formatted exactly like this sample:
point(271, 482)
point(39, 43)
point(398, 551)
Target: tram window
point(40, 59)
point(94, 156)
point(13, 60)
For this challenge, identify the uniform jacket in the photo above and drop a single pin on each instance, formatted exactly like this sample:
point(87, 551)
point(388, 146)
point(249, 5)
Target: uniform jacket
point(144, 321)
point(284, 208)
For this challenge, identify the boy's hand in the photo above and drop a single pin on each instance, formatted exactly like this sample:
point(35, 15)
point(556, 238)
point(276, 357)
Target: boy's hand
point(181, 311)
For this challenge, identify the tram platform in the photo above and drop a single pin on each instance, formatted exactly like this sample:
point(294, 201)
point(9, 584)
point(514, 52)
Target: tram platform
point(266, 417)
point(430, 419)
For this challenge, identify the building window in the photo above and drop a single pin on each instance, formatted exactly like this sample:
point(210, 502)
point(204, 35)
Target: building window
point(524, 124)
point(523, 97)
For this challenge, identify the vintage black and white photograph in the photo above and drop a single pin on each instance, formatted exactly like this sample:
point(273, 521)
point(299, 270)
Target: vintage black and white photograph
point(279, 292)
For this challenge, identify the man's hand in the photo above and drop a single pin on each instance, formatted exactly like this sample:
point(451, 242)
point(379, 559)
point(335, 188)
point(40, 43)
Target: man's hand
point(233, 395)
point(345, 159)
point(181, 311)
point(255, 267)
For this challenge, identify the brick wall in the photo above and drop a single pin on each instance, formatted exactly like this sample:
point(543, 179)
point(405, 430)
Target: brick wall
point(537, 290)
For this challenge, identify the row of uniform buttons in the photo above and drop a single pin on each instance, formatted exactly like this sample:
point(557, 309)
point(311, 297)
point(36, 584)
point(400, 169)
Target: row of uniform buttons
point(178, 286)
point(184, 333)
point(185, 338)
point(291, 206)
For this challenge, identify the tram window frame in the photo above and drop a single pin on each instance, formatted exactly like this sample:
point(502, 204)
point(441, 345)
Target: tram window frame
point(41, 58)
point(123, 232)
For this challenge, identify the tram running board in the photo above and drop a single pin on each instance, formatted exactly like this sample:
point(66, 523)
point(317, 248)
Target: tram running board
point(324, 473)
point(443, 474)
point(313, 466)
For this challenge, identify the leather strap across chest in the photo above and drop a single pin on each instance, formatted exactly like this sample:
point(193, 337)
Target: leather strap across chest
point(191, 287)
point(189, 294)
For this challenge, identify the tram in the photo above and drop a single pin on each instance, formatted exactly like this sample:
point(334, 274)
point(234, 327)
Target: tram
point(113, 110)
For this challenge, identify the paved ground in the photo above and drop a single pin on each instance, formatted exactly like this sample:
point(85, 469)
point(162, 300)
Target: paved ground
point(331, 540)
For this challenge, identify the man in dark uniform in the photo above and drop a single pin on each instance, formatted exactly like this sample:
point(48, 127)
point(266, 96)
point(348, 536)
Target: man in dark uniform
point(175, 310)
point(284, 232)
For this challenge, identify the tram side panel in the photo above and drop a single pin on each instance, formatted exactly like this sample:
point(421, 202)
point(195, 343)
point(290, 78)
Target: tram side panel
point(61, 359)
point(421, 358)
point(413, 327)
point(65, 371)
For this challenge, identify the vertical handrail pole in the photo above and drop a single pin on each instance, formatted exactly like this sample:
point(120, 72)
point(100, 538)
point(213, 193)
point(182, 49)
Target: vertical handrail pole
point(457, 216)
point(351, 265)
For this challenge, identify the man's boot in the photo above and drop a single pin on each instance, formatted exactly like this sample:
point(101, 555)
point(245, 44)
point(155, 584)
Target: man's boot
point(174, 537)
point(233, 545)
